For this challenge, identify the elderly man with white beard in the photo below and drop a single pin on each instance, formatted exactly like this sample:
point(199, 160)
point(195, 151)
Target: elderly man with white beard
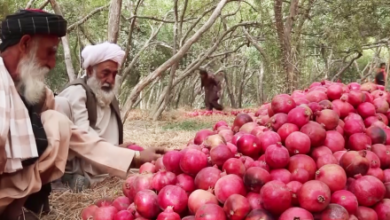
point(91, 105)
point(35, 139)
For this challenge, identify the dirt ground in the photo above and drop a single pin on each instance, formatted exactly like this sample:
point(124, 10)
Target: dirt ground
point(174, 130)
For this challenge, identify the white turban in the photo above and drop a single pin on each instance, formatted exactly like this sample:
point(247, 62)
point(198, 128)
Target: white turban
point(95, 54)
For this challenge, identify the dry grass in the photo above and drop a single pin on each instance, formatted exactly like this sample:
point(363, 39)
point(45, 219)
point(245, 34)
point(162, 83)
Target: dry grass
point(174, 130)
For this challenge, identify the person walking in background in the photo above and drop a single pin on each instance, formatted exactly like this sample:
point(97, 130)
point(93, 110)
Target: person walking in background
point(381, 75)
point(212, 90)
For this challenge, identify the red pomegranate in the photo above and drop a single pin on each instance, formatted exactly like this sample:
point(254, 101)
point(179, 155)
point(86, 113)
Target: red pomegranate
point(359, 141)
point(227, 186)
point(334, 91)
point(249, 145)
point(355, 162)
point(296, 213)
point(320, 151)
point(346, 199)
point(239, 121)
point(315, 132)
point(377, 135)
point(276, 121)
point(298, 143)
point(294, 187)
point(304, 162)
point(282, 104)
point(334, 141)
point(335, 212)
point(276, 197)
point(210, 212)
point(366, 110)
point(255, 178)
point(286, 129)
point(332, 175)
point(314, 196)
point(365, 213)
point(382, 209)
point(368, 190)
point(383, 153)
point(237, 207)
point(328, 118)
point(268, 138)
point(299, 116)
point(200, 197)
point(282, 175)
point(277, 156)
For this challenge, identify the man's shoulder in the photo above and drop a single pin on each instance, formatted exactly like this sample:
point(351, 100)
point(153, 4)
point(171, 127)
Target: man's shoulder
point(72, 90)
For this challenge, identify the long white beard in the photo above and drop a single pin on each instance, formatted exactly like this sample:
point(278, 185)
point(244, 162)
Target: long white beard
point(104, 93)
point(31, 83)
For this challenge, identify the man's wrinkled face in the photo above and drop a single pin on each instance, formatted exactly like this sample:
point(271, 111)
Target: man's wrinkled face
point(37, 59)
point(104, 81)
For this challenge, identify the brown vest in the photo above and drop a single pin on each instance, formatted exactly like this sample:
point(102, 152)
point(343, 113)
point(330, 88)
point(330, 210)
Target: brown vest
point(91, 106)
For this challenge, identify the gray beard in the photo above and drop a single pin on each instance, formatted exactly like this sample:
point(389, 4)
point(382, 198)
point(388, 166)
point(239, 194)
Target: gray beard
point(103, 97)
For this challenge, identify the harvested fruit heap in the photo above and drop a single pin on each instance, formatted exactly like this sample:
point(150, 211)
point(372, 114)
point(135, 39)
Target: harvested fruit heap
point(322, 153)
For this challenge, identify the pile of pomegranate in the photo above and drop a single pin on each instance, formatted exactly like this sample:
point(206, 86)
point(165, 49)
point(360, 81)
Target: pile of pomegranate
point(322, 153)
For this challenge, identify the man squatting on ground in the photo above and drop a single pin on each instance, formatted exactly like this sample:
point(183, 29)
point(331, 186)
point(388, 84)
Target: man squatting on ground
point(35, 139)
point(90, 103)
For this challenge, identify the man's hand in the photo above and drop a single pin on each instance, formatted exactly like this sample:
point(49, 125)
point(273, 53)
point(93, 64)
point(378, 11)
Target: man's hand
point(3, 159)
point(148, 155)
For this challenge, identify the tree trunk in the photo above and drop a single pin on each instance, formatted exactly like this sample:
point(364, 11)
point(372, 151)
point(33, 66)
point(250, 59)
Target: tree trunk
point(260, 87)
point(65, 43)
point(174, 59)
point(114, 20)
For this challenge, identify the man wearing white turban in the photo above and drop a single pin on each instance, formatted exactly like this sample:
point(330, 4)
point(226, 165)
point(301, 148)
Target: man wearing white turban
point(90, 103)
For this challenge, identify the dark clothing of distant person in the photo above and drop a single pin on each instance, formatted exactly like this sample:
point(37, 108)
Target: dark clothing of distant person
point(380, 78)
point(211, 90)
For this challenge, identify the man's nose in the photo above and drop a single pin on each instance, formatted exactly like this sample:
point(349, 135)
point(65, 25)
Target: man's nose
point(110, 79)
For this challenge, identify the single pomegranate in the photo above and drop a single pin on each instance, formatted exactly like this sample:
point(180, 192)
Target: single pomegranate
point(328, 118)
point(354, 126)
point(387, 186)
point(124, 215)
point(354, 86)
point(232, 147)
point(248, 127)
point(277, 156)
point(346, 199)
point(315, 107)
point(376, 172)
point(300, 175)
point(163, 178)
point(220, 154)
point(381, 105)
point(268, 138)
point(249, 145)
point(382, 209)
point(383, 152)
point(236, 207)
point(171, 161)
point(220, 124)
point(168, 214)
point(335, 212)
point(247, 161)
point(353, 116)
point(334, 91)
point(186, 182)
point(365, 213)
point(105, 213)
point(127, 187)
point(173, 196)
point(368, 190)
point(257, 214)
point(147, 168)
point(298, 143)
point(315, 132)
point(383, 118)
point(234, 166)
point(333, 176)
point(294, 187)
point(320, 151)
point(236, 137)
point(302, 161)
point(356, 98)
point(386, 174)
point(296, 213)
point(299, 116)
point(366, 110)
point(146, 203)
point(314, 196)
point(121, 203)
point(88, 212)
point(359, 141)
point(255, 178)
point(213, 141)
point(355, 162)
point(282, 175)
point(276, 121)
point(326, 159)
point(377, 135)
point(240, 120)
point(374, 159)
point(316, 96)
point(371, 120)
point(334, 141)
point(227, 135)
point(200, 197)
point(276, 197)
point(342, 107)
point(207, 177)
point(193, 161)
point(227, 186)
point(254, 200)
point(141, 182)
point(282, 103)
point(286, 129)
point(210, 212)
point(202, 135)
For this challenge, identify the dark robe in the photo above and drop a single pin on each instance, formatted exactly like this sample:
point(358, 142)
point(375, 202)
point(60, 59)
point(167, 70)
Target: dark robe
point(211, 90)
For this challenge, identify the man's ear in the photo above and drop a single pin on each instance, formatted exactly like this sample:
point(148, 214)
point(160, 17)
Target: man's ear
point(89, 71)
point(25, 44)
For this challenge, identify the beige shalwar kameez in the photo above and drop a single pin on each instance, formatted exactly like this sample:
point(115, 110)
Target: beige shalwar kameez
point(63, 137)
point(72, 102)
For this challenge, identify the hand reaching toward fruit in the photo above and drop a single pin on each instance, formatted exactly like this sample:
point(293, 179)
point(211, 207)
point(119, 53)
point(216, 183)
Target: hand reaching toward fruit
point(148, 155)
point(128, 143)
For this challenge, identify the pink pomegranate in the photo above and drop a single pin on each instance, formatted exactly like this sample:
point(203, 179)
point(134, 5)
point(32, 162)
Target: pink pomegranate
point(193, 161)
point(210, 212)
point(234, 166)
point(207, 177)
point(359, 141)
point(240, 120)
point(333, 176)
point(365, 213)
point(298, 143)
point(320, 151)
point(200, 197)
point(255, 178)
point(277, 156)
point(237, 207)
point(302, 161)
point(282, 104)
point(315, 132)
point(334, 91)
point(288, 128)
point(173, 196)
point(277, 120)
point(355, 162)
point(382, 209)
point(294, 187)
point(254, 200)
point(346, 199)
point(335, 212)
point(314, 196)
point(282, 175)
point(227, 186)
point(201, 136)
point(163, 178)
point(326, 159)
point(268, 138)
point(146, 203)
point(367, 189)
point(334, 141)
point(299, 116)
point(328, 118)
point(383, 152)
point(249, 145)
point(186, 182)
point(296, 213)
point(276, 197)
point(168, 214)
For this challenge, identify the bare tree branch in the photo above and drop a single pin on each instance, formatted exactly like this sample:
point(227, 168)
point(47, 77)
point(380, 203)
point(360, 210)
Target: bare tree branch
point(256, 45)
point(174, 59)
point(44, 5)
point(156, 19)
point(29, 4)
point(88, 16)
point(342, 70)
